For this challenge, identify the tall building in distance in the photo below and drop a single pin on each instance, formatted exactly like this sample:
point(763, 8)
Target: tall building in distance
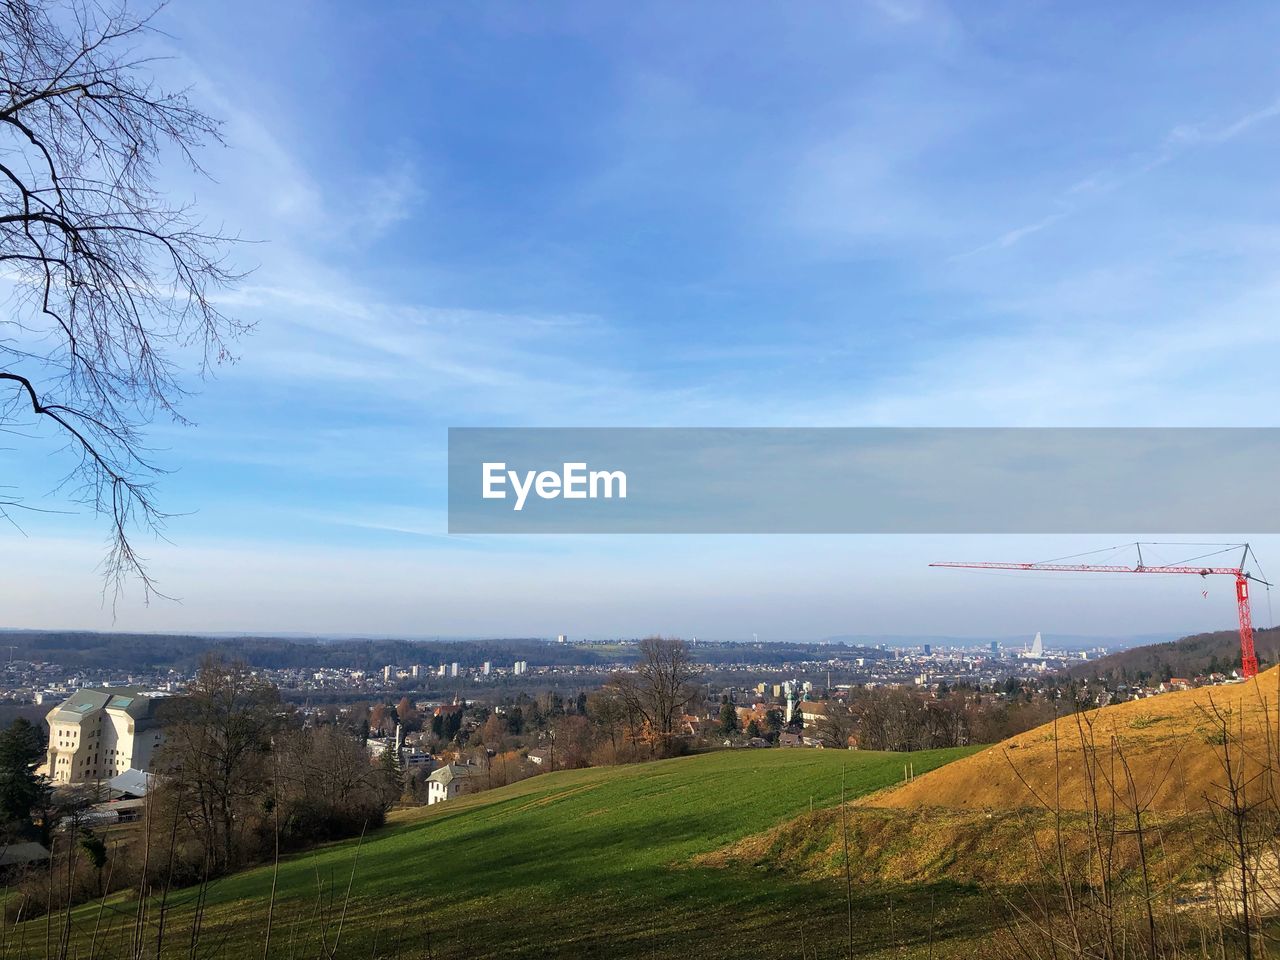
point(521, 667)
point(453, 669)
point(96, 734)
point(487, 668)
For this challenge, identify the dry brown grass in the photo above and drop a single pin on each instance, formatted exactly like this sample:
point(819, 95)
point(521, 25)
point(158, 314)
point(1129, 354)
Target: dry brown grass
point(1172, 744)
point(1148, 830)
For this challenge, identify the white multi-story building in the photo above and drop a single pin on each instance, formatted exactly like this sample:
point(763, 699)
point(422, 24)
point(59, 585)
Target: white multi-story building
point(96, 734)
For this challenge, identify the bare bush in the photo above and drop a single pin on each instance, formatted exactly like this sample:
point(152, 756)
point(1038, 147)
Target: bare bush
point(1122, 883)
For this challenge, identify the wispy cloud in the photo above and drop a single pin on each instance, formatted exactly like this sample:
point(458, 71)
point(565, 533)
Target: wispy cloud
point(1016, 235)
point(1178, 141)
point(1194, 134)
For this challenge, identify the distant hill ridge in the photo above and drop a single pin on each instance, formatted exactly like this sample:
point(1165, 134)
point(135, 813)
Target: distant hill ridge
point(84, 649)
point(1201, 653)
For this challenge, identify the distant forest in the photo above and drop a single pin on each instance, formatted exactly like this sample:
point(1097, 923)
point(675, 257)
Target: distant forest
point(146, 651)
point(1201, 653)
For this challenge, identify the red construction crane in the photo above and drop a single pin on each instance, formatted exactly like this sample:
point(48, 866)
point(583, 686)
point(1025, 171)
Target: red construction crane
point(1248, 658)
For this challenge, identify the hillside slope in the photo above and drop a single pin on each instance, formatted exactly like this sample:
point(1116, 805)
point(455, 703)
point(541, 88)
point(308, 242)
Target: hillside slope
point(1171, 743)
point(1031, 795)
point(993, 849)
point(579, 863)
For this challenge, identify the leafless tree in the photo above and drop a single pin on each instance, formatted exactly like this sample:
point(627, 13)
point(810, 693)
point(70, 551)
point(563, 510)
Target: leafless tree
point(607, 713)
point(326, 784)
point(836, 725)
point(111, 284)
point(657, 691)
point(216, 752)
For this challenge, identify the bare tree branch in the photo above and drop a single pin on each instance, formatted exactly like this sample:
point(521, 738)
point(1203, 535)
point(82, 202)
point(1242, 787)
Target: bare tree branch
point(111, 281)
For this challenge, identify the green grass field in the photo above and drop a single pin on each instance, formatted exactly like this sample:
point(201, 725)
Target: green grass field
point(586, 863)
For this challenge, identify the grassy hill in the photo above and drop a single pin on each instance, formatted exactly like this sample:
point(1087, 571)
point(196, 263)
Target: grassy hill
point(1058, 808)
point(1187, 657)
point(580, 863)
point(1170, 742)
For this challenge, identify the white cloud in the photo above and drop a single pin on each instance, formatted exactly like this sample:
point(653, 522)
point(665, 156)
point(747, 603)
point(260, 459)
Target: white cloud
point(1179, 140)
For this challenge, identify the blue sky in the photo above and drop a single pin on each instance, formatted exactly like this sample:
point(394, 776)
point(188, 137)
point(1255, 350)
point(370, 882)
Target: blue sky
point(890, 213)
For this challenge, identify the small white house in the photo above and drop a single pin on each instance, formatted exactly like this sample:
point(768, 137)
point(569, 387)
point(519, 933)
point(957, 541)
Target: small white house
point(449, 781)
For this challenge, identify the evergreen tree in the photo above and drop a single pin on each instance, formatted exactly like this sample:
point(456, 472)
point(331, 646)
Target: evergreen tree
point(22, 748)
point(728, 720)
point(392, 772)
point(515, 721)
point(95, 849)
point(774, 720)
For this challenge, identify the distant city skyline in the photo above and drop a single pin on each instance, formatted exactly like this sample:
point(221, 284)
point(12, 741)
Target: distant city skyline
point(899, 213)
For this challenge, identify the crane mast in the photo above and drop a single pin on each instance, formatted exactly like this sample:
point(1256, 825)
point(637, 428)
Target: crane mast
point(1248, 656)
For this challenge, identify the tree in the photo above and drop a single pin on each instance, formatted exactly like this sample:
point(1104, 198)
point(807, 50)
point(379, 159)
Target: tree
point(217, 744)
point(571, 739)
point(835, 726)
point(111, 278)
point(452, 724)
point(515, 721)
point(753, 729)
point(407, 714)
point(391, 772)
point(607, 712)
point(494, 732)
point(328, 787)
point(728, 719)
point(774, 720)
point(95, 848)
point(22, 748)
point(657, 691)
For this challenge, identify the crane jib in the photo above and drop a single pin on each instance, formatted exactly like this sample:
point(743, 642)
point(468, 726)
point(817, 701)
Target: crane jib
point(1248, 655)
